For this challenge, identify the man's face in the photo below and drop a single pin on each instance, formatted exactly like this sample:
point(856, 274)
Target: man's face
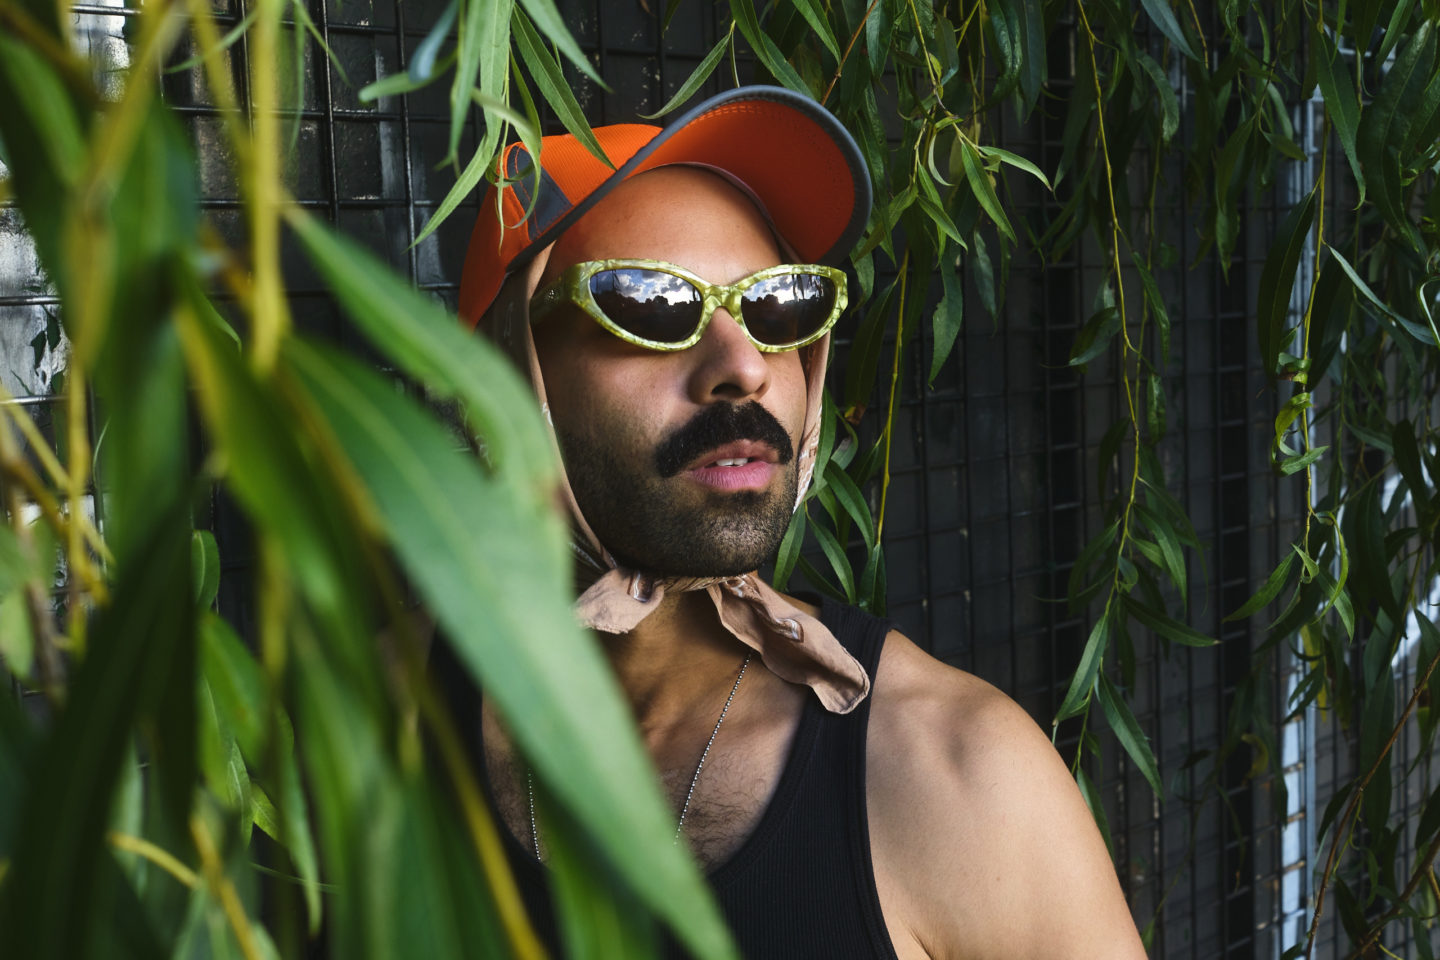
point(684, 463)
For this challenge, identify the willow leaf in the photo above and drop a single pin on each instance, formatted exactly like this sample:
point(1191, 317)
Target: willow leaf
point(1167, 626)
point(135, 650)
point(815, 17)
point(979, 181)
point(850, 497)
point(1096, 803)
point(1385, 125)
point(745, 18)
point(790, 549)
point(1128, 732)
point(554, 88)
point(546, 17)
point(1341, 104)
point(1409, 326)
point(1164, 19)
point(840, 563)
point(1277, 278)
point(485, 564)
point(949, 313)
point(697, 77)
point(1016, 161)
point(1267, 592)
point(428, 343)
point(1169, 103)
point(1077, 697)
point(484, 58)
point(422, 62)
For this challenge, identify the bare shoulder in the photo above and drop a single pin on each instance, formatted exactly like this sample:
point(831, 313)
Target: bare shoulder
point(981, 842)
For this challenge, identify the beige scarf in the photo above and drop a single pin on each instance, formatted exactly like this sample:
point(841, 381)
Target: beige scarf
point(794, 645)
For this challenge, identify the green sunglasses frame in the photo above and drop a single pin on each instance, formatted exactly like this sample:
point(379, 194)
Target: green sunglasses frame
point(573, 286)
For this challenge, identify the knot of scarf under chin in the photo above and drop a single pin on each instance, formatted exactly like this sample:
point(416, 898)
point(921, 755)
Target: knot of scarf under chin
point(794, 645)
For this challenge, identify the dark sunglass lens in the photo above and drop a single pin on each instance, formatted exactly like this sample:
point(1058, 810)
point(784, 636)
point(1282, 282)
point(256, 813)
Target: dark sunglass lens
point(788, 308)
point(648, 303)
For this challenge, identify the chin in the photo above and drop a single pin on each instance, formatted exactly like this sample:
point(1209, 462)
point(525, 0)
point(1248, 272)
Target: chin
point(703, 543)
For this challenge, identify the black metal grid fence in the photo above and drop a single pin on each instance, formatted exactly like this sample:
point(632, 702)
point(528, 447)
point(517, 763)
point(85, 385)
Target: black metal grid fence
point(994, 468)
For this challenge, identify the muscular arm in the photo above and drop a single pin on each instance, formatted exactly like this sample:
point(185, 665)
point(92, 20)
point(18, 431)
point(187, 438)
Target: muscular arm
point(983, 847)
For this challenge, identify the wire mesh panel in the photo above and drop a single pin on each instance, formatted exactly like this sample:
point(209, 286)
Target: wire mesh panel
point(996, 475)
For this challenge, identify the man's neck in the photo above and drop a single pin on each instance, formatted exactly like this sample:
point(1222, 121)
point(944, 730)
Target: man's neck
point(672, 663)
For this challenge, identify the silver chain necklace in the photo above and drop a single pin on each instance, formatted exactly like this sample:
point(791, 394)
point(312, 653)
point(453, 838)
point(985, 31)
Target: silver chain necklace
point(685, 808)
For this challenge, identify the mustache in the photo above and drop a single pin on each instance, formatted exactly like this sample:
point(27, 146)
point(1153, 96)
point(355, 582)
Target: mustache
point(717, 425)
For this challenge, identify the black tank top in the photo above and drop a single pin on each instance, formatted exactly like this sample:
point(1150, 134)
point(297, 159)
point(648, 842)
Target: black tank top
point(801, 885)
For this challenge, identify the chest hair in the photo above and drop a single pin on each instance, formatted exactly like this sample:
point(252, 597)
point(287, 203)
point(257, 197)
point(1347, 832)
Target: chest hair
point(735, 787)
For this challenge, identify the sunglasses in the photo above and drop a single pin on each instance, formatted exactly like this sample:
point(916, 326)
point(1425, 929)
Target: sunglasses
point(658, 305)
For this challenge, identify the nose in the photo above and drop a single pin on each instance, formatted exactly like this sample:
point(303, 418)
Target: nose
point(727, 366)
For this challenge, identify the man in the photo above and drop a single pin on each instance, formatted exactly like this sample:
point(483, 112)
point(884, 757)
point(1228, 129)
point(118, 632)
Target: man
point(848, 795)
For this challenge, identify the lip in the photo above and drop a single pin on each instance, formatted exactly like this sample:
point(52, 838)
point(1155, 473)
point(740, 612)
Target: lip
point(752, 476)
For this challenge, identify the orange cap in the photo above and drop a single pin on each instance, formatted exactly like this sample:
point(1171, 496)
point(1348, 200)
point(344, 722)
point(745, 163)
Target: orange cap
point(789, 151)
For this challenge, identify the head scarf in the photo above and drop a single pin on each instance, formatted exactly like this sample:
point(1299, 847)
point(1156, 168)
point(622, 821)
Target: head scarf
point(794, 645)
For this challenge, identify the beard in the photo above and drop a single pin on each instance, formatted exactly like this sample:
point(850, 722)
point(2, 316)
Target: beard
point(652, 521)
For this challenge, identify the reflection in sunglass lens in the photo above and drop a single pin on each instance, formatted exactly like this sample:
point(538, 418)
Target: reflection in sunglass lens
point(789, 308)
point(650, 304)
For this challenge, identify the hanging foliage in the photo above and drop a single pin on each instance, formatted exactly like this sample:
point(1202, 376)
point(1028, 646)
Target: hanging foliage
point(127, 812)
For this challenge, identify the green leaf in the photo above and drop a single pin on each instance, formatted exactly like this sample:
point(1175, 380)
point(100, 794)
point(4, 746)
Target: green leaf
point(1341, 104)
point(770, 56)
point(1098, 545)
point(873, 582)
point(1267, 592)
point(1155, 406)
point(137, 647)
point(1157, 307)
point(484, 57)
point(1169, 103)
point(839, 563)
point(1014, 160)
point(553, 85)
point(850, 497)
point(879, 26)
point(598, 919)
point(1169, 544)
point(1128, 732)
point(697, 77)
point(547, 18)
point(269, 474)
point(819, 26)
point(1095, 336)
point(422, 62)
point(1164, 19)
point(226, 42)
point(204, 567)
point(1363, 288)
point(864, 363)
point(44, 134)
point(1381, 141)
point(949, 314)
point(1293, 465)
point(428, 343)
point(397, 83)
point(1376, 724)
point(1096, 803)
point(984, 190)
point(1277, 278)
point(1166, 626)
point(493, 570)
point(1429, 820)
point(790, 549)
point(1077, 697)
